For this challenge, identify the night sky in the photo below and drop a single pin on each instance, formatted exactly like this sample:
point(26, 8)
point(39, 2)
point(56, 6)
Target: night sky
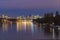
point(17, 7)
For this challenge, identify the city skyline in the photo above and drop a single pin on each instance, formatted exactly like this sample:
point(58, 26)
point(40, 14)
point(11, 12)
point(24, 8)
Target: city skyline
point(26, 12)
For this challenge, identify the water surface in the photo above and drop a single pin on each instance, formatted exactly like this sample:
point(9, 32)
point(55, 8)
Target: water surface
point(24, 30)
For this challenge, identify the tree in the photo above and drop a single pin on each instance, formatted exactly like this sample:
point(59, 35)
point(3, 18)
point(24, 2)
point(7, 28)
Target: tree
point(57, 18)
point(48, 17)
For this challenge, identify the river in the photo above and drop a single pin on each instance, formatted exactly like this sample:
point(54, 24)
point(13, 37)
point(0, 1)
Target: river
point(24, 30)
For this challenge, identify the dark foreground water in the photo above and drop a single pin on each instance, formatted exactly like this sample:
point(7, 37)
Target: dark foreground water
point(24, 30)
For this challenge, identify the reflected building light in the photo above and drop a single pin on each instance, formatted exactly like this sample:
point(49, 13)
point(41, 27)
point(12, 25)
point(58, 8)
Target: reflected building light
point(5, 27)
point(18, 26)
point(53, 34)
point(32, 28)
point(11, 25)
point(25, 25)
point(5, 20)
point(28, 24)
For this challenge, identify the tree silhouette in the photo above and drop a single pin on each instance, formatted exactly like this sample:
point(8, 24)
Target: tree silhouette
point(48, 17)
point(57, 18)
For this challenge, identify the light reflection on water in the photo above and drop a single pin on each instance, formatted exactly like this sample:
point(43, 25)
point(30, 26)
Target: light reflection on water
point(23, 25)
point(23, 30)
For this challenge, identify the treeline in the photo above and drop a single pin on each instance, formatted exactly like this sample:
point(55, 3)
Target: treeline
point(49, 18)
